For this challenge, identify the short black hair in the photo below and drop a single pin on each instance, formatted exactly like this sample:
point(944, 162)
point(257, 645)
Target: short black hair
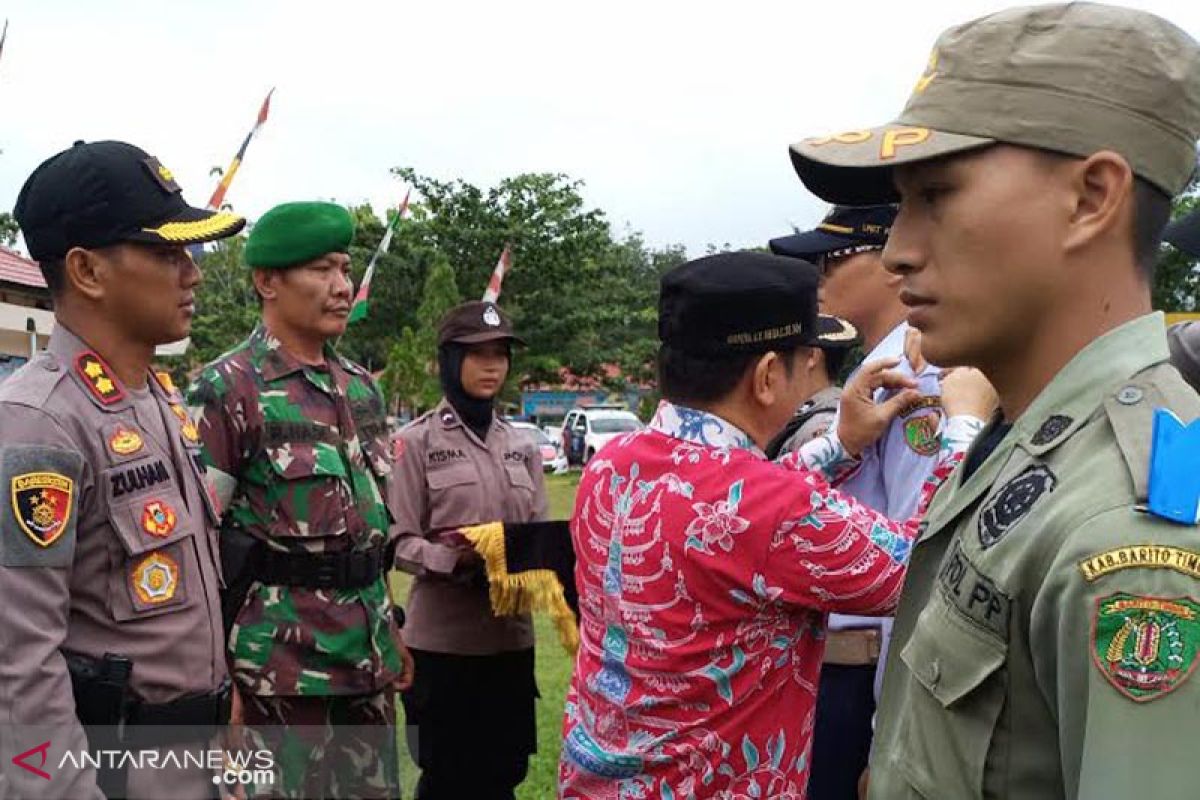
point(835, 360)
point(1151, 213)
point(54, 270)
point(688, 378)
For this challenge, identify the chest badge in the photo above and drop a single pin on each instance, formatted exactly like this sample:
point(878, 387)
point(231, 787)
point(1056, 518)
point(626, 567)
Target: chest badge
point(42, 504)
point(1013, 503)
point(158, 519)
point(125, 441)
point(155, 578)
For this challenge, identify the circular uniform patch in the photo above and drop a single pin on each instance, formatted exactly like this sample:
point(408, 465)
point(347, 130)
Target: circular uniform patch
point(1013, 502)
point(155, 579)
point(158, 519)
point(1051, 429)
point(1145, 646)
point(921, 434)
point(41, 502)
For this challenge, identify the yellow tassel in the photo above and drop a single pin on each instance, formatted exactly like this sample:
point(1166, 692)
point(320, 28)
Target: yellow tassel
point(525, 592)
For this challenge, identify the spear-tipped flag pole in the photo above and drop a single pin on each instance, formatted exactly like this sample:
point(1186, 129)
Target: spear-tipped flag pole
point(218, 196)
point(502, 266)
point(359, 309)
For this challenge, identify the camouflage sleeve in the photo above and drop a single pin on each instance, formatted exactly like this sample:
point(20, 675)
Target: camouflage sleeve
point(409, 500)
point(208, 399)
point(1115, 637)
point(48, 482)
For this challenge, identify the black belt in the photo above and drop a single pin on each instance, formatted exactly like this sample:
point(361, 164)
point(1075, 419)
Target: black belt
point(355, 569)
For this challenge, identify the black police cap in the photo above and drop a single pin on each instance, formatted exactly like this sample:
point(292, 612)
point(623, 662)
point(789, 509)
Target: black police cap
point(103, 193)
point(1184, 233)
point(738, 303)
point(843, 227)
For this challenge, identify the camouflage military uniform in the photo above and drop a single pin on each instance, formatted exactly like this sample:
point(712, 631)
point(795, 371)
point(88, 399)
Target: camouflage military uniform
point(299, 456)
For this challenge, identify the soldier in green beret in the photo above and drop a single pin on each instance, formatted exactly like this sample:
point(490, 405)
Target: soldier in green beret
point(296, 444)
point(1049, 626)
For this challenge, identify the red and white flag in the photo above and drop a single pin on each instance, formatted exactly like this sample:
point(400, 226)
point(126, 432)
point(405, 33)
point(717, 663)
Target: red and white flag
point(502, 266)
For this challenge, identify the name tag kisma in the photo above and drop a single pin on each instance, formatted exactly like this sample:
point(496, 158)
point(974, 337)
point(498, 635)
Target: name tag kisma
point(1145, 556)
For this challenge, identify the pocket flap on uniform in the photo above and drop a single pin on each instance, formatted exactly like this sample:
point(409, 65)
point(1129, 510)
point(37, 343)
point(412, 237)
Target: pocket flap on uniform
point(150, 522)
point(518, 475)
point(296, 460)
point(948, 658)
point(455, 475)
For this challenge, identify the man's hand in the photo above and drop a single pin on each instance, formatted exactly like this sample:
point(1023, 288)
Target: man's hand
point(405, 680)
point(861, 420)
point(966, 391)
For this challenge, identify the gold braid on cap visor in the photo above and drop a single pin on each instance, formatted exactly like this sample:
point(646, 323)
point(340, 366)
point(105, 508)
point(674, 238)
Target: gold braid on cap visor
point(200, 229)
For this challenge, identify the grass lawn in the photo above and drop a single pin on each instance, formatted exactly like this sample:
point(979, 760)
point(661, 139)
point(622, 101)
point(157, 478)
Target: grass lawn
point(553, 670)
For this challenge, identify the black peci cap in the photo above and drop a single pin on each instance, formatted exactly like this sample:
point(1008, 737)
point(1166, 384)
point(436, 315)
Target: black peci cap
point(103, 193)
point(844, 228)
point(738, 303)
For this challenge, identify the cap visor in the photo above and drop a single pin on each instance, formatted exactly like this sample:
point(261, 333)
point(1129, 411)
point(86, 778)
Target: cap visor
point(190, 226)
point(487, 336)
point(810, 244)
point(855, 169)
point(1184, 234)
point(835, 332)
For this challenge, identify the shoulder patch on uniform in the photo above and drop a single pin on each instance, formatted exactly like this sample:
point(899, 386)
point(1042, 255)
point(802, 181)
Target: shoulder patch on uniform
point(98, 378)
point(1013, 503)
point(38, 529)
point(1051, 429)
point(1145, 647)
point(1141, 556)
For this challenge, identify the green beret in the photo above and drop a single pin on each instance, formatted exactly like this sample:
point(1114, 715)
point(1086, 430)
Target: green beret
point(293, 233)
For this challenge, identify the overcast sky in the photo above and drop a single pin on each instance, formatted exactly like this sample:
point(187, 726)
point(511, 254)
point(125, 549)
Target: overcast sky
point(677, 115)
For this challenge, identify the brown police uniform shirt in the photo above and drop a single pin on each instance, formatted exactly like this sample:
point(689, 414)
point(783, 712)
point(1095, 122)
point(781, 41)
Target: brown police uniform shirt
point(445, 477)
point(107, 545)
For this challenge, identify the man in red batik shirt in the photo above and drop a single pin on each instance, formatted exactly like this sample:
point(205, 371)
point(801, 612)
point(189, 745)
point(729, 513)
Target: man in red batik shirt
point(705, 571)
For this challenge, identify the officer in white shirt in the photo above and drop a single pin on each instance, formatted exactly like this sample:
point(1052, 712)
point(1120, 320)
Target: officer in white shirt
point(847, 246)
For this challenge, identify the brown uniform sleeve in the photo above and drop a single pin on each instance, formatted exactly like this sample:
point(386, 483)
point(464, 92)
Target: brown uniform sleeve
point(409, 500)
point(541, 504)
point(36, 700)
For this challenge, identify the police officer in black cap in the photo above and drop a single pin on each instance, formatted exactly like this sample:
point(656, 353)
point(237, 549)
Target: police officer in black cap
point(1184, 337)
point(108, 548)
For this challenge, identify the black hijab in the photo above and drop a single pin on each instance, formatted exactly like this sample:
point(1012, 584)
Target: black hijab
point(475, 413)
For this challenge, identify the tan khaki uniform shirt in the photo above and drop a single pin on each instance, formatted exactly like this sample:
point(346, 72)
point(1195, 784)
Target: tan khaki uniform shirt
point(107, 545)
point(444, 478)
point(1049, 625)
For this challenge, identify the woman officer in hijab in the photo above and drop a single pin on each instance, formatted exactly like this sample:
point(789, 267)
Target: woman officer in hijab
point(470, 711)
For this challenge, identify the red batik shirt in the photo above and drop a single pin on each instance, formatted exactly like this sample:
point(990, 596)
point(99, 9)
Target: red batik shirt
point(705, 573)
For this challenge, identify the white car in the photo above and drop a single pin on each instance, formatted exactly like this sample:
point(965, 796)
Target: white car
point(552, 458)
point(586, 430)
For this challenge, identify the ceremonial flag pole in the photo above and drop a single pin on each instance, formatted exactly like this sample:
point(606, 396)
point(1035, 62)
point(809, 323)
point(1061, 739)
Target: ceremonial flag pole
point(359, 309)
point(218, 196)
point(502, 266)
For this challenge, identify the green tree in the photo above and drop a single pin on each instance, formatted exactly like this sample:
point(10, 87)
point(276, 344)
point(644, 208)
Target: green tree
point(1177, 275)
point(8, 229)
point(227, 307)
point(411, 374)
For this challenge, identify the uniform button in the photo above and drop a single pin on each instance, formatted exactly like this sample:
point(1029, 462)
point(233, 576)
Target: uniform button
point(1130, 395)
point(935, 673)
point(51, 365)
